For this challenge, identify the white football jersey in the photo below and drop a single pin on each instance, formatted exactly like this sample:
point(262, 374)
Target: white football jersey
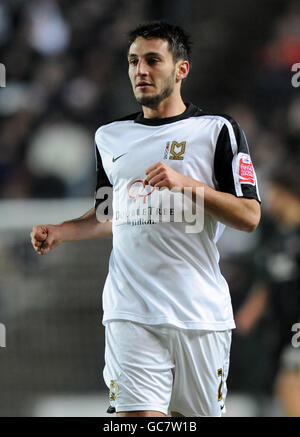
point(162, 271)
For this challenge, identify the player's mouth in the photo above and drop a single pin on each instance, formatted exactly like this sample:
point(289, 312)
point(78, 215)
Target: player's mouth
point(142, 85)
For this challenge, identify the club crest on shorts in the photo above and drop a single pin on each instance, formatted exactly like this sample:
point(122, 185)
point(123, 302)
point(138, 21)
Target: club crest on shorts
point(113, 390)
point(175, 151)
point(220, 375)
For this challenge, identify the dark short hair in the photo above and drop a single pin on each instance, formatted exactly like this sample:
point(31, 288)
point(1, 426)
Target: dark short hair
point(179, 41)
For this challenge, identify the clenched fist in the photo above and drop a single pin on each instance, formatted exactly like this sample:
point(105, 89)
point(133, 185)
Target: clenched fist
point(45, 237)
point(162, 175)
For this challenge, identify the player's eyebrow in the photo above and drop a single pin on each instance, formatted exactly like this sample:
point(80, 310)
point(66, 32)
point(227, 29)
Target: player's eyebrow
point(134, 55)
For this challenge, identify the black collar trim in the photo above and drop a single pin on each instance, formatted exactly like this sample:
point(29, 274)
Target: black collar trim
point(189, 112)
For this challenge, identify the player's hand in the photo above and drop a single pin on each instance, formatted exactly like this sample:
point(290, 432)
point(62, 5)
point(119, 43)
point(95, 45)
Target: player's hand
point(45, 237)
point(161, 175)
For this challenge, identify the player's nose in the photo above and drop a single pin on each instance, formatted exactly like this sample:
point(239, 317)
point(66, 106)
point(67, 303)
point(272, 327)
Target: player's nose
point(141, 69)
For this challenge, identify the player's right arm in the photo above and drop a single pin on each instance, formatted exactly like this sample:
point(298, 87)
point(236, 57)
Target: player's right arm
point(47, 237)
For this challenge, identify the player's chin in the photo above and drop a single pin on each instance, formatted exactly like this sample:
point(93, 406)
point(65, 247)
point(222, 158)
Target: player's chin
point(150, 100)
point(144, 92)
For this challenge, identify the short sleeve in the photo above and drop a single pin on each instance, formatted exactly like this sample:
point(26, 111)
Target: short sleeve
point(102, 179)
point(233, 168)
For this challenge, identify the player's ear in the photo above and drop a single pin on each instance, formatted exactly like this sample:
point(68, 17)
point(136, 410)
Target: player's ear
point(182, 70)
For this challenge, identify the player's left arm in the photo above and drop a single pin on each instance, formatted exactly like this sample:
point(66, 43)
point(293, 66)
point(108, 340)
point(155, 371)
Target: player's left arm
point(235, 199)
point(238, 212)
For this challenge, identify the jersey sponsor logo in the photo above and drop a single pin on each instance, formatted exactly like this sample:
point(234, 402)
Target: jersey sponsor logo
point(246, 170)
point(139, 189)
point(115, 159)
point(175, 151)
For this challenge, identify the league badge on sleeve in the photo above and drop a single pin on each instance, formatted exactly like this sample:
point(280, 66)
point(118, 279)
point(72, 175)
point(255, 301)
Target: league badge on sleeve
point(246, 170)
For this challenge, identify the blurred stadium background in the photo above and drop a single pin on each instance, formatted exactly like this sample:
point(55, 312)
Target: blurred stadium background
point(66, 73)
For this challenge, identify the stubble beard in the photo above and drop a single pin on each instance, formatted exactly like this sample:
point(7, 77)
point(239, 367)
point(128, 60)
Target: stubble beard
point(154, 101)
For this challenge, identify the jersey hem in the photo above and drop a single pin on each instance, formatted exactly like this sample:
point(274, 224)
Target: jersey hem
point(206, 326)
point(141, 407)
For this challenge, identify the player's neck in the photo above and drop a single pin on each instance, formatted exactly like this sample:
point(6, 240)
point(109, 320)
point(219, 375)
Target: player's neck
point(169, 107)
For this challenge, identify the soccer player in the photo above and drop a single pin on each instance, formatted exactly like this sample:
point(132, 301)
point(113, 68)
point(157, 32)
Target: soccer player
point(167, 308)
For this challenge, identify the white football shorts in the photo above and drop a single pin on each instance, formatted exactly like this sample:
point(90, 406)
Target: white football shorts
point(163, 368)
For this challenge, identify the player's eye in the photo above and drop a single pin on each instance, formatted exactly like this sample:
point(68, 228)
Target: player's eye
point(133, 61)
point(152, 61)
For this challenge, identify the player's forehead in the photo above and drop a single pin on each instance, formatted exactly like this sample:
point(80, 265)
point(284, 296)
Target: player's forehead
point(142, 46)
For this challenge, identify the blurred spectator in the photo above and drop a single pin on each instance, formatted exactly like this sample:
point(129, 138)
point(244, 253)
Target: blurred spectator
point(5, 23)
point(274, 61)
point(276, 290)
point(66, 151)
point(48, 32)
